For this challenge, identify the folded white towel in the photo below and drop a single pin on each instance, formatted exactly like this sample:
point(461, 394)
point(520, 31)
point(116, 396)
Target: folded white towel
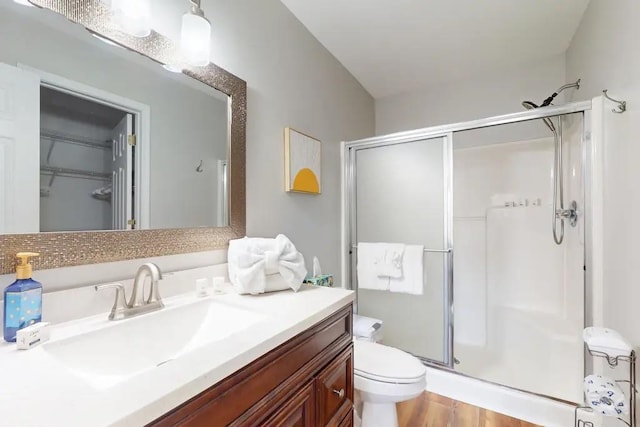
point(369, 256)
point(412, 281)
point(258, 265)
point(391, 263)
point(275, 282)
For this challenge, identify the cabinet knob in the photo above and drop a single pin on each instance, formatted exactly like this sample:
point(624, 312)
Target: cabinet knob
point(340, 393)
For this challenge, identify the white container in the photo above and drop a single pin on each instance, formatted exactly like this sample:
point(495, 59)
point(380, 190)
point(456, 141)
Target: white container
point(32, 336)
point(607, 341)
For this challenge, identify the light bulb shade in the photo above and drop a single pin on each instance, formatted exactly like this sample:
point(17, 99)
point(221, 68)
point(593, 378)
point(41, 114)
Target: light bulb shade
point(195, 41)
point(132, 16)
point(23, 2)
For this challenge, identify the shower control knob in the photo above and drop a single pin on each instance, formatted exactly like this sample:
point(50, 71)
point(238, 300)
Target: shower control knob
point(570, 214)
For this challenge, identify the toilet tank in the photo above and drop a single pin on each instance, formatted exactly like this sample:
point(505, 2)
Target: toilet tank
point(367, 329)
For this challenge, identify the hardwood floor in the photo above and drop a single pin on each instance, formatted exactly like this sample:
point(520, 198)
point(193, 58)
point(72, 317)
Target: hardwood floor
point(432, 410)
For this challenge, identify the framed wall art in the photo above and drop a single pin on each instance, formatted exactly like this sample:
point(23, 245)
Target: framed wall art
point(303, 162)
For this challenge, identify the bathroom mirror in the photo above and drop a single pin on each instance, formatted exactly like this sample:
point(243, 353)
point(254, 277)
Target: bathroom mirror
point(96, 135)
point(123, 143)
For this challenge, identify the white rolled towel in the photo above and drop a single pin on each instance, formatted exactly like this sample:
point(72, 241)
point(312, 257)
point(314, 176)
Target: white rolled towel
point(258, 265)
point(605, 396)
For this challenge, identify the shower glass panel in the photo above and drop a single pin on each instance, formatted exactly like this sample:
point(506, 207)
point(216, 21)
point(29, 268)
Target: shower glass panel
point(401, 196)
point(519, 296)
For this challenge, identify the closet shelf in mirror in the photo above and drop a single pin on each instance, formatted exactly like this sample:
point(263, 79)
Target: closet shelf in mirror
point(75, 173)
point(69, 139)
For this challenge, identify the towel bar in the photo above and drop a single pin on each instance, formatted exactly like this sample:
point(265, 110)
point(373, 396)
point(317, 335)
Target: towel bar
point(442, 251)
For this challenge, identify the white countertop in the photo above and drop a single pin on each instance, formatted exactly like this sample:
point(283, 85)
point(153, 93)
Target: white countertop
point(38, 391)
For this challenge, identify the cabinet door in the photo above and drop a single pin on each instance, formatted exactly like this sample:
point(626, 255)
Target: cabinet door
point(298, 412)
point(334, 389)
point(348, 420)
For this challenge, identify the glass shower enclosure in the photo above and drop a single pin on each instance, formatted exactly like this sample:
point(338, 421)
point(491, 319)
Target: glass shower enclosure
point(404, 195)
point(501, 300)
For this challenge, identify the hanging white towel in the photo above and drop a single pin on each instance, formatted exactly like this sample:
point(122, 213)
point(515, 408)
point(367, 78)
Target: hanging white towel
point(412, 281)
point(369, 256)
point(391, 263)
point(255, 264)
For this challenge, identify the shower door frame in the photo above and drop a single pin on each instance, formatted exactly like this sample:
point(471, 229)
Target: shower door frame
point(446, 139)
point(591, 156)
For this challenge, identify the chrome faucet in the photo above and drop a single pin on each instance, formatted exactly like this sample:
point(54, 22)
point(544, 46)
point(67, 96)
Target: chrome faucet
point(137, 304)
point(137, 295)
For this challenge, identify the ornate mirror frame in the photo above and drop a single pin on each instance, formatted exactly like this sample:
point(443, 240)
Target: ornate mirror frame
point(77, 248)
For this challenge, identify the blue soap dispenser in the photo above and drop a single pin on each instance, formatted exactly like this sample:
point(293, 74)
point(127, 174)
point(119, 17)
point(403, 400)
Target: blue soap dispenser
point(22, 299)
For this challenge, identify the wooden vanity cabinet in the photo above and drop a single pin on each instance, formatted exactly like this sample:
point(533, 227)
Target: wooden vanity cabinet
point(299, 412)
point(305, 382)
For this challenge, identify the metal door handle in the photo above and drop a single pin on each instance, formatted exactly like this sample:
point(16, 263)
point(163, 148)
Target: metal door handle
point(339, 393)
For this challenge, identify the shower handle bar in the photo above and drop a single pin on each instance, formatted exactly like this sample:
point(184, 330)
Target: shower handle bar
point(441, 251)
point(570, 214)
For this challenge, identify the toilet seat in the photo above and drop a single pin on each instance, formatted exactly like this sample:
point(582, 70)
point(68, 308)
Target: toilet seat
point(383, 379)
point(385, 364)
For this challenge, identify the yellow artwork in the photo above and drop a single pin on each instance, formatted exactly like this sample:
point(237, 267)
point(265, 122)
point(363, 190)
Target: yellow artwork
point(303, 163)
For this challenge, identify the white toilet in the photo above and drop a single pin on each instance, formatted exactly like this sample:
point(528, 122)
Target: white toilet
point(385, 376)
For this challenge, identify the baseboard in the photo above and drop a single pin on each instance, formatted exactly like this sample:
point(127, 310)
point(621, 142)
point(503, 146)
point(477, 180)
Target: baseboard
point(525, 406)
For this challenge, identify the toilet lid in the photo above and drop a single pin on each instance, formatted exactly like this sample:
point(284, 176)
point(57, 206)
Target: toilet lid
point(386, 364)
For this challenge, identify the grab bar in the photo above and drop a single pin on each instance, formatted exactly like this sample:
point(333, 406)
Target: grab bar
point(442, 251)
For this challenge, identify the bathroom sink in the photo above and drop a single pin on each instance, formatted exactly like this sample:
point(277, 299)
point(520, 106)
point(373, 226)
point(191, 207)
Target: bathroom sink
point(123, 349)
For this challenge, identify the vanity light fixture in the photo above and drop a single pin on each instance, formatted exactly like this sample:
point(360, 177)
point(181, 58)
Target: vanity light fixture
point(132, 16)
point(195, 41)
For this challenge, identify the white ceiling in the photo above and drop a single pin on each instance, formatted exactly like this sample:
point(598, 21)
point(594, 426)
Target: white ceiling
point(393, 46)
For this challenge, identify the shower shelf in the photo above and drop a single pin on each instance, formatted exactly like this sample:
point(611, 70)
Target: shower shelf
point(613, 362)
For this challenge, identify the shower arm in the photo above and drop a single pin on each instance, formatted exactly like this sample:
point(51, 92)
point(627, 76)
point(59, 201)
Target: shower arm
point(550, 99)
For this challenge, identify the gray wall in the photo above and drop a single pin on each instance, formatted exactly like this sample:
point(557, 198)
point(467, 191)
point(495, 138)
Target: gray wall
point(604, 52)
point(187, 124)
point(483, 95)
point(292, 81)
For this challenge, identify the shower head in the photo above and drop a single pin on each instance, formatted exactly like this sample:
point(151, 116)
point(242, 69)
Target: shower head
point(550, 99)
point(547, 121)
point(530, 105)
point(557, 163)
